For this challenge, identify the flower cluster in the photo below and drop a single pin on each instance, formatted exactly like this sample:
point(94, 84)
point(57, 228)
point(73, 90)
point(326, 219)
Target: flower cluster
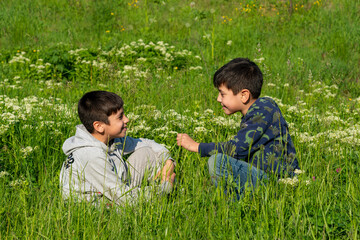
point(133, 3)
point(135, 59)
point(3, 174)
point(131, 61)
point(19, 183)
point(30, 108)
point(225, 19)
point(274, 7)
point(19, 58)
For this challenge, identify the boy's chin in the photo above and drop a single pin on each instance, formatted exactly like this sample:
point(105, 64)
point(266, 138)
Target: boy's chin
point(122, 135)
point(227, 112)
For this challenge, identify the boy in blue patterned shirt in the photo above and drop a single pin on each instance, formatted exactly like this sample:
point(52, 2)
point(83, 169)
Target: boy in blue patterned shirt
point(262, 145)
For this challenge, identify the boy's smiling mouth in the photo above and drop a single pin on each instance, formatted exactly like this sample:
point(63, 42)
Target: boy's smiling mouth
point(124, 128)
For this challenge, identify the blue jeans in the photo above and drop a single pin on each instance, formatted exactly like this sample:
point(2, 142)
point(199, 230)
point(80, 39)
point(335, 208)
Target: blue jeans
point(234, 174)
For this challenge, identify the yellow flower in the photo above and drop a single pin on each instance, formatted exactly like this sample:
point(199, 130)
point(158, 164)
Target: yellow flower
point(350, 99)
point(107, 31)
point(112, 13)
point(175, 68)
point(34, 50)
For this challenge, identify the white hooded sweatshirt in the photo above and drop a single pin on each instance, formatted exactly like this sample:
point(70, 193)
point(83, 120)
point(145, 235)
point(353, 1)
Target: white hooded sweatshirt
point(93, 169)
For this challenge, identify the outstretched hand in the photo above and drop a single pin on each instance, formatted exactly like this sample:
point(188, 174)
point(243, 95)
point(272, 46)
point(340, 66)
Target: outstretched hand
point(187, 142)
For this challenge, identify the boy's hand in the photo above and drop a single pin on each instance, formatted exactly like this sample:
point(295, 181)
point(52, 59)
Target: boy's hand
point(187, 142)
point(167, 172)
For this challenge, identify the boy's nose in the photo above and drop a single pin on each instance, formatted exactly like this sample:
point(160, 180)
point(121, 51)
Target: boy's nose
point(126, 120)
point(219, 98)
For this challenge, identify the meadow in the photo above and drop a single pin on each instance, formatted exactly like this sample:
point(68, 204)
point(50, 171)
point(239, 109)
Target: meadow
point(160, 56)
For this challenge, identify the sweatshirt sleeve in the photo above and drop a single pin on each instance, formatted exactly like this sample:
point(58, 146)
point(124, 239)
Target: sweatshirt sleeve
point(252, 129)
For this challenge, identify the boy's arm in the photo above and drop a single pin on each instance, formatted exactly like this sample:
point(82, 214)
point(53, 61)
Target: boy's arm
point(187, 142)
point(253, 128)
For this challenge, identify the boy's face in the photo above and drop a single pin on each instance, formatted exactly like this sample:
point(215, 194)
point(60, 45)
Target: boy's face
point(230, 103)
point(117, 125)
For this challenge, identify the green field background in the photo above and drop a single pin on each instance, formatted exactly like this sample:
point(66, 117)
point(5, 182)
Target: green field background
point(160, 56)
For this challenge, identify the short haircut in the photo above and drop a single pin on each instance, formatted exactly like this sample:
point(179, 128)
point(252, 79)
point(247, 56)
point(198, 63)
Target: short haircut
point(98, 106)
point(239, 74)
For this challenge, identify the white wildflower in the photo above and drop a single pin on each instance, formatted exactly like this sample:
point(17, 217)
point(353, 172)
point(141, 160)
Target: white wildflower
point(195, 68)
point(298, 171)
point(26, 151)
point(259, 60)
point(21, 182)
point(3, 174)
point(289, 181)
point(141, 59)
point(200, 130)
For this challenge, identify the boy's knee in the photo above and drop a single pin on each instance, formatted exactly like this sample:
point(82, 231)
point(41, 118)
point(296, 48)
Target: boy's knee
point(144, 151)
point(213, 162)
point(143, 154)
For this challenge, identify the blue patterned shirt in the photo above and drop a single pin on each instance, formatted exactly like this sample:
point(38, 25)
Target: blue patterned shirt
point(263, 140)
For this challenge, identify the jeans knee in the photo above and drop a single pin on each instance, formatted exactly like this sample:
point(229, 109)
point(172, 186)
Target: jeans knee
point(213, 163)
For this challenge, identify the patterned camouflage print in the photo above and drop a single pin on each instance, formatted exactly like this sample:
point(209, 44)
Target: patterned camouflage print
point(263, 140)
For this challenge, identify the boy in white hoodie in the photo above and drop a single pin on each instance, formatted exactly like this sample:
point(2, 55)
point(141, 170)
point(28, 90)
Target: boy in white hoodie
point(95, 168)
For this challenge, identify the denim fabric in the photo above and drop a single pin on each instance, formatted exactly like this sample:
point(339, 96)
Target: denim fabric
point(234, 174)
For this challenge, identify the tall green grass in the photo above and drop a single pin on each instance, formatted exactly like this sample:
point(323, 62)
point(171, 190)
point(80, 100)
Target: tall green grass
point(310, 64)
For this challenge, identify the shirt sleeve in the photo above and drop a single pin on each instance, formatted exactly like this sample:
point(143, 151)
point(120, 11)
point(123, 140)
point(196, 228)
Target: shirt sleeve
point(252, 129)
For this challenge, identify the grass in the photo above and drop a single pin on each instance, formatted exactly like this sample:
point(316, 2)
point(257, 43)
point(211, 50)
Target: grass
point(52, 52)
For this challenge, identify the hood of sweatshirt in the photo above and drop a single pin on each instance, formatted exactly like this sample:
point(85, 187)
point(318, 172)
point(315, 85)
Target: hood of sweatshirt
point(82, 139)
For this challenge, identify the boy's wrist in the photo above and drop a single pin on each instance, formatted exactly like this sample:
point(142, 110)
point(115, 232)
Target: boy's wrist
point(196, 147)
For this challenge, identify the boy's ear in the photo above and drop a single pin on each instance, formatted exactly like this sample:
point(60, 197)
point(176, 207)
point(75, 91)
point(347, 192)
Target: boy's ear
point(99, 126)
point(245, 96)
